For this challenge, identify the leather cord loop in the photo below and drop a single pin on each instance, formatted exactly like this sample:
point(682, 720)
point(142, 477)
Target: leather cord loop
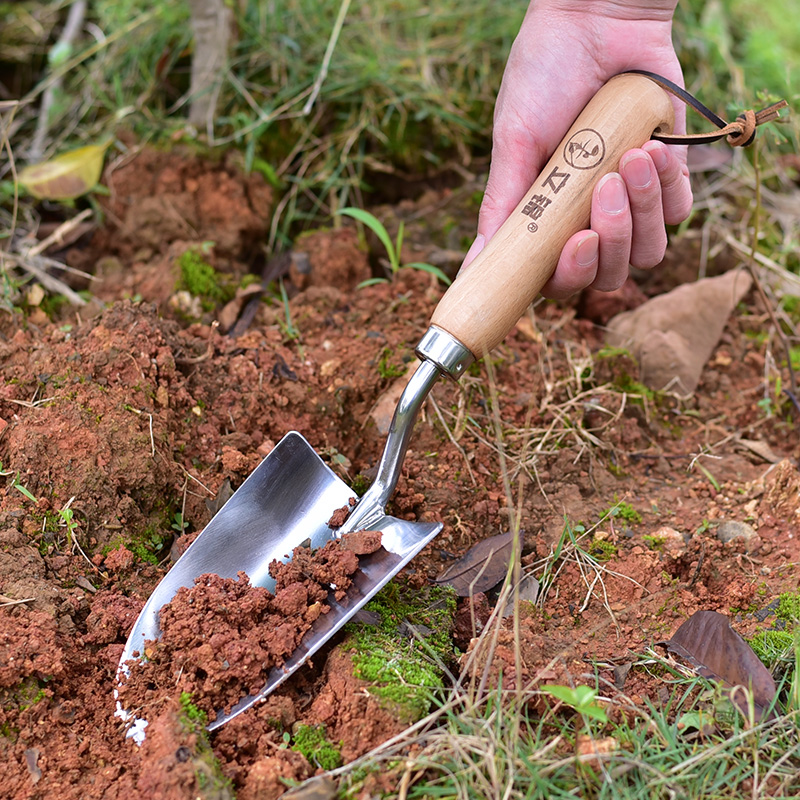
point(741, 132)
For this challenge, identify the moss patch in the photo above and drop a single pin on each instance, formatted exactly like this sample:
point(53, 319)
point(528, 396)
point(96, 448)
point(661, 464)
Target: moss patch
point(403, 656)
point(207, 769)
point(310, 740)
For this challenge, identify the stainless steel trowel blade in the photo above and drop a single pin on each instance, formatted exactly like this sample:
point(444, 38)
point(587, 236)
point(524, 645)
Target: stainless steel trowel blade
point(285, 502)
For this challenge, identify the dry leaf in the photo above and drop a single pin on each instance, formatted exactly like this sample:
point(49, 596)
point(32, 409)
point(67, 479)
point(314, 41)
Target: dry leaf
point(67, 176)
point(484, 565)
point(707, 642)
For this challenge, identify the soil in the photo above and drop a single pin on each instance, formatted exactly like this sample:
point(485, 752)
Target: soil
point(137, 414)
point(221, 637)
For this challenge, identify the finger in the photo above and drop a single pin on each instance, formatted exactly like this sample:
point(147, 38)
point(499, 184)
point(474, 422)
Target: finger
point(649, 240)
point(577, 266)
point(676, 188)
point(611, 219)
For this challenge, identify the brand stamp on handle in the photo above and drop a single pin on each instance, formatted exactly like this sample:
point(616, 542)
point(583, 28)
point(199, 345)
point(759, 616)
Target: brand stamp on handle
point(585, 149)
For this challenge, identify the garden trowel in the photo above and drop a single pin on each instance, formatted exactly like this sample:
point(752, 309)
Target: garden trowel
point(289, 498)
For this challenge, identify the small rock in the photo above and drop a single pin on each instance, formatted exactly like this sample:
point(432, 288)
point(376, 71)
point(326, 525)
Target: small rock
point(730, 530)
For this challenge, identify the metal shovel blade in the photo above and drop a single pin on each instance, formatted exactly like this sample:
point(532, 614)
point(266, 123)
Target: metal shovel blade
point(285, 502)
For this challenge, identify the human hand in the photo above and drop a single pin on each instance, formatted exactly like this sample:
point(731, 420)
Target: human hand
point(565, 51)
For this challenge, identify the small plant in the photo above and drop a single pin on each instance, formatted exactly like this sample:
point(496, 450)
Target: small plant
point(16, 483)
point(581, 698)
point(622, 510)
point(196, 716)
point(179, 524)
point(290, 330)
point(69, 522)
point(393, 249)
point(602, 550)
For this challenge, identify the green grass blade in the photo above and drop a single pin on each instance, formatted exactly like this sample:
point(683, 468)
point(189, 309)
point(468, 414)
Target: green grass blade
point(376, 226)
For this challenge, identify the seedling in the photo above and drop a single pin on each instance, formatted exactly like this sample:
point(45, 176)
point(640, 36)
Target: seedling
point(15, 482)
point(393, 249)
point(69, 522)
point(581, 698)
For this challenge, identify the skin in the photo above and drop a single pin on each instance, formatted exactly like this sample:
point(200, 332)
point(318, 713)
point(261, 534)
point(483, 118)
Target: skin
point(565, 51)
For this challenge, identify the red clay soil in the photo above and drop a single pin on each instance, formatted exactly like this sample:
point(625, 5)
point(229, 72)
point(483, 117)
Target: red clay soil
point(136, 418)
point(221, 637)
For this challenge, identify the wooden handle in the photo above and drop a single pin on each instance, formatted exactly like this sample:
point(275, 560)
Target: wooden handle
point(491, 294)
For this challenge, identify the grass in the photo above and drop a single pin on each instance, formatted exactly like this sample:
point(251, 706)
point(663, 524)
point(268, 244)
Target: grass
point(686, 748)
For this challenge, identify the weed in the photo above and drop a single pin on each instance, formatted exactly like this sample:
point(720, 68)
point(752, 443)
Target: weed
point(179, 524)
point(581, 698)
point(772, 646)
point(15, 483)
point(68, 521)
point(290, 330)
point(622, 510)
point(602, 549)
point(310, 740)
point(393, 249)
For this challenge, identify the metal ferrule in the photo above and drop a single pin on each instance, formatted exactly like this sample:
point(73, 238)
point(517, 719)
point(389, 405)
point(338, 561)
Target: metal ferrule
point(445, 351)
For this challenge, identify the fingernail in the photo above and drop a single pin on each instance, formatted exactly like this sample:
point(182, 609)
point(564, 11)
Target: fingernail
point(612, 193)
point(658, 152)
point(637, 170)
point(586, 252)
point(475, 248)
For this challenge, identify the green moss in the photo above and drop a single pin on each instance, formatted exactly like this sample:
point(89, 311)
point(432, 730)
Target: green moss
point(360, 484)
point(310, 740)
point(199, 278)
point(789, 606)
point(654, 542)
point(387, 369)
point(192, 716)
point(602, 550)
point(403, 656)
point(207, 769)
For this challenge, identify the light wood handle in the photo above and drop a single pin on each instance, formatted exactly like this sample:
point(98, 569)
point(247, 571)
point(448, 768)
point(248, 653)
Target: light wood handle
point(487, 298)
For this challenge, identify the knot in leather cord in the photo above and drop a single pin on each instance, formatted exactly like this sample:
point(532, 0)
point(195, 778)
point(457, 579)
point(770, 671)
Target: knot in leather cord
point(739, 133)
point(747, 122)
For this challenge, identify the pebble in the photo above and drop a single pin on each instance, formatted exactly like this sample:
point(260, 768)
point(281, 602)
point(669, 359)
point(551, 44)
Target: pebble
point(731, 529)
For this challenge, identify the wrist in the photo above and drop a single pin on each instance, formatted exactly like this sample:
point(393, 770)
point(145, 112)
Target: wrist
point(654, 10)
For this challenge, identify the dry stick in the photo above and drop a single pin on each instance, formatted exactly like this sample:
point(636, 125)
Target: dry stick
point(57, 236)
point(326, 60)
point(77, 12)
point(760, 288)
point(44, 277)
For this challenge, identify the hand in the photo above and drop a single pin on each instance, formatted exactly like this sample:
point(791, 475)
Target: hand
point(565, 51)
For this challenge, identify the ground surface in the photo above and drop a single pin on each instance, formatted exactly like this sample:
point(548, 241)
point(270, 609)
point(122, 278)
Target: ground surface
point(136, 417)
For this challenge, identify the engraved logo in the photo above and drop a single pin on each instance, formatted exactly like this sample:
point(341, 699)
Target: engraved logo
point(585, 149)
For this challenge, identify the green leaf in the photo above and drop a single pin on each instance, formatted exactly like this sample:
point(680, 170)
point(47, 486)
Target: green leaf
point(429, 268)
point(371, 282)
point(376, 226)
point(67, 176)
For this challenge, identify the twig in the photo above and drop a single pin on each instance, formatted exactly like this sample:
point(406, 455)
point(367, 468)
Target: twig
point(77, 12)
point(45, 278)
point(9, 601)
point(58, 235)
point(326, 60)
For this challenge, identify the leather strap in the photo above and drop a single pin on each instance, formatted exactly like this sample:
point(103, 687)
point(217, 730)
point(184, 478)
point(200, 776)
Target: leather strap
point(740, 133)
